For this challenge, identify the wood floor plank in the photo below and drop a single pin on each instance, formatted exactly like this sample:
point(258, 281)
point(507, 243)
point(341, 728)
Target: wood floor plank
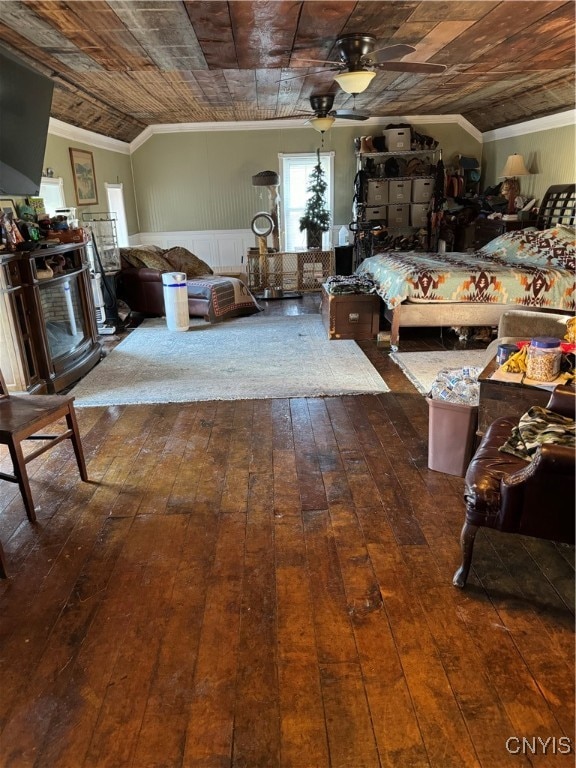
point(268, 584)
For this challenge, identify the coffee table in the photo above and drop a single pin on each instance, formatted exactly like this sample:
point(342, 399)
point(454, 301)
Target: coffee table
point(505, 398)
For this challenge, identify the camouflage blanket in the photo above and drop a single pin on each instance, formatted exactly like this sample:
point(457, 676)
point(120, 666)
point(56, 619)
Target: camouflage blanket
point(537, 426)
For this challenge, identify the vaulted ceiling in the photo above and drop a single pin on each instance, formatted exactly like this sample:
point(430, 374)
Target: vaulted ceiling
point(122, 65)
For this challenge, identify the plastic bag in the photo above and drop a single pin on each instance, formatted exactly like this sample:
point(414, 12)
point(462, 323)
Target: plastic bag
point(457, 385)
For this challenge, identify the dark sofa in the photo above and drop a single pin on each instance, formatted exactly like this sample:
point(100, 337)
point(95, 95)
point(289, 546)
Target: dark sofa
point(213, 297)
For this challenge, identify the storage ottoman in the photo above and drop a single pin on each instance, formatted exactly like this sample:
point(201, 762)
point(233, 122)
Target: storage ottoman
point(351, 315)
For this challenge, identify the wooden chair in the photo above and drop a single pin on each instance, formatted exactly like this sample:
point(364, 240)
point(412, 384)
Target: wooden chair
point(21, 418)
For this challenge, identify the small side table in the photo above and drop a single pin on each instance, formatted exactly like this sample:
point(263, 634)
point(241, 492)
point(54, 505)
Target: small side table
point(505, 398)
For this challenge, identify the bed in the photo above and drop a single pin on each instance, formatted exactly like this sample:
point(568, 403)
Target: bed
point(533, 269)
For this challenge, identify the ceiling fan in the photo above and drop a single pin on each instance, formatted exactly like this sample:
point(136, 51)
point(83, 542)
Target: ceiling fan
point(357, 61)
point(323, 115)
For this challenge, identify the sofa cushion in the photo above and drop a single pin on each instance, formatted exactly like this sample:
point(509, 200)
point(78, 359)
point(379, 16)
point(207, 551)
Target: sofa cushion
point(133, 256)
point(182, 260)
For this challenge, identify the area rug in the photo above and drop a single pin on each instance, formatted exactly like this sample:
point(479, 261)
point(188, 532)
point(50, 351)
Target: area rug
point(421, 368)
point(245, 358)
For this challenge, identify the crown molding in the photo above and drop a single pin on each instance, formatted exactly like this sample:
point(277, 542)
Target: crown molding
point(559, 120)
point(73, 133)
point(297, 123)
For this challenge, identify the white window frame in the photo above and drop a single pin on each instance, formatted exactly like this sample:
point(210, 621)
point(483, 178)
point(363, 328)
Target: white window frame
point(290, 208)
point(119, 211)
point(55, 185)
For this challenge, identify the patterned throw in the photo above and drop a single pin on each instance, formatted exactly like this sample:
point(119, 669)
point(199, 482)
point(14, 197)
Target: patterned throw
point(529, 268)
point(537, 426)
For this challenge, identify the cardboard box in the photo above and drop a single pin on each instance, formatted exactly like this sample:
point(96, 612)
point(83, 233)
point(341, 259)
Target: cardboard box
point(398, 215)
point(419, 214)
point(377, 192)
point(399, 191)
point(422, 190)
point(351, 315)
point(398, 139)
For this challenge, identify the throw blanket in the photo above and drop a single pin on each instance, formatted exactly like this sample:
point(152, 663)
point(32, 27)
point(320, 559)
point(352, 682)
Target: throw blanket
point(228, 296)
point(539, 425)
point(339, 284)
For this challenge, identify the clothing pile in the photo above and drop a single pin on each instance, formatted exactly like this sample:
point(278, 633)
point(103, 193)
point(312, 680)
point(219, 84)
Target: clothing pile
point(341, 284)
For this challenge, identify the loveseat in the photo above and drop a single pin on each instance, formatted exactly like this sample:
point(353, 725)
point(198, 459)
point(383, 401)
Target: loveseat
point(139, 283)
point(213, 297)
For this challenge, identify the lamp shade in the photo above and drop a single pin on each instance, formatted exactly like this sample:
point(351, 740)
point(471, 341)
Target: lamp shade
point(354, 82)
point(321, 124)
point(514, 167)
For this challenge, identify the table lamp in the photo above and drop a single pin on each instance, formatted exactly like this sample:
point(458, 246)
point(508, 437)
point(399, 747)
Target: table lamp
point(511, 188)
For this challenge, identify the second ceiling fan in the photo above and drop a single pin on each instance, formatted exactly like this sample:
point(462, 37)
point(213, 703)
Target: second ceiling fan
point(323, 116)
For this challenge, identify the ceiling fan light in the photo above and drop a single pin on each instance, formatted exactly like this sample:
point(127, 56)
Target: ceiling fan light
point(354, 82)
point(322, 124)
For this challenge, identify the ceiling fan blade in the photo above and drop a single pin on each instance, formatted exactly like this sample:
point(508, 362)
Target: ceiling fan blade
point(410, 66)
point(292, 117)
point(348, 114)
point(309, 74)
point(391, 52)
point(335, 64)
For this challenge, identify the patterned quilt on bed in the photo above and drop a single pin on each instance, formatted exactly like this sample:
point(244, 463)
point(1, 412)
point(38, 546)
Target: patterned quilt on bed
point(529, 267)
point(229, 297)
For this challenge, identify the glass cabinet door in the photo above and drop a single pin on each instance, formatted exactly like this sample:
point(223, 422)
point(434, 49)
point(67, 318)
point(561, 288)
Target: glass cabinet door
point(65, 324)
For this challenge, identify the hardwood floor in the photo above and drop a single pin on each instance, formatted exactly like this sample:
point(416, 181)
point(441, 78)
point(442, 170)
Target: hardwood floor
point(268, 583)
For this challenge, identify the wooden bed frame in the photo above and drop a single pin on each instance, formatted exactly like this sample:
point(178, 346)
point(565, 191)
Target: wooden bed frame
point(558, 207)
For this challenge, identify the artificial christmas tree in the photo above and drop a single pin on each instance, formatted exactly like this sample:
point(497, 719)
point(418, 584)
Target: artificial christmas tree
point(316, 217)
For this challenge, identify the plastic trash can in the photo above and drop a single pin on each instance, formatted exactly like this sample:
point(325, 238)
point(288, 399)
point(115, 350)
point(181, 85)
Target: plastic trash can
point(451, 436)
point(175, 300)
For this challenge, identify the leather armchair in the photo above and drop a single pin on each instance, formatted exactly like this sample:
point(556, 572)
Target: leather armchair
point(509, 494)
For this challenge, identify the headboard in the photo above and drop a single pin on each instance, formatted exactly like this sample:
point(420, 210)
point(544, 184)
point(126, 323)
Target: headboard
point(558, 206)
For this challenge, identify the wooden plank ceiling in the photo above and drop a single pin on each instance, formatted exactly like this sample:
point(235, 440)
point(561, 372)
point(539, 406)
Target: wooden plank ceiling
point(122, 65)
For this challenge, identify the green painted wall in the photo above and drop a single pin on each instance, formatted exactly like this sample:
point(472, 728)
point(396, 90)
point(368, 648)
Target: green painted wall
point(194, 181)
point(202, 180)
point(550, 156)
point(109, 167)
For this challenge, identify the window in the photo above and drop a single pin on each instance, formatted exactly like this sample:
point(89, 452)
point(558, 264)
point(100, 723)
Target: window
point(295, 173)
point(52, 192)
point(115, 195)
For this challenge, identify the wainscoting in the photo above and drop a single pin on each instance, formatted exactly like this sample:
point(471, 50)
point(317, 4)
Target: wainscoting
point(218, 248)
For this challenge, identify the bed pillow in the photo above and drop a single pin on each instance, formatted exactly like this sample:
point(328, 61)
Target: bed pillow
point(182, 260)
point(507, 245)
point(553, 247)
point(155, 261)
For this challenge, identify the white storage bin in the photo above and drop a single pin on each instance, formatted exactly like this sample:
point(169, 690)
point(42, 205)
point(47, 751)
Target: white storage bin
point(422, 190)
point(377, 213)
point(398, 139)
point(399, 191)
point(419, 214)
point(377, 192)
point(398, 215)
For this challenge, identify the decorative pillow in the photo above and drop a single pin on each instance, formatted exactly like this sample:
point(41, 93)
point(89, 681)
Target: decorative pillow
point(132, 256)
point(182, 260)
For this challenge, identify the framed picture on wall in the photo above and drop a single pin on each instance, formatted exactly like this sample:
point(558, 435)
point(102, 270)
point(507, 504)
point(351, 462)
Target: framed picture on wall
point(7, 206)
point(84, 176)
